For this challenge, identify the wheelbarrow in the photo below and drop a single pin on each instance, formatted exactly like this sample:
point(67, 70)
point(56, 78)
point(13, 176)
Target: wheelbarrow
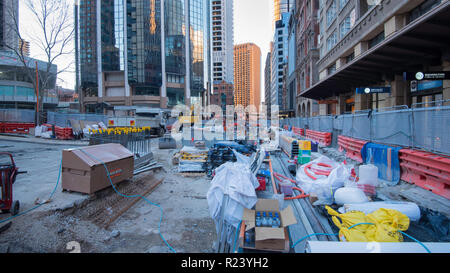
point(8, 173)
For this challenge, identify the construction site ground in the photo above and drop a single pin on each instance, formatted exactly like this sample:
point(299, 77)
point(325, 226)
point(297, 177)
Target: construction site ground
point(71, 219)
point(107, 222)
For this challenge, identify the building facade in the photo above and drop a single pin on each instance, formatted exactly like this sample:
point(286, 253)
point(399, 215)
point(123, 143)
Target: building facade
point(368, 49)
point(307, 54)
point(279, 55)
point(247, 75)
point(279, 7)
point(139, 53)
point(222, 25)
point(223, 94)
point(267, 83)
point(17, 90)
point(9, 10)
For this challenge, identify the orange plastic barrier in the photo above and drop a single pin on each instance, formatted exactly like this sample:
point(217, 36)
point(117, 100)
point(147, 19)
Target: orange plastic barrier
point(16, 128)
point(322, 138)
point(352, 147)
point(60, 132)
point(298, 131)
point(426, 170)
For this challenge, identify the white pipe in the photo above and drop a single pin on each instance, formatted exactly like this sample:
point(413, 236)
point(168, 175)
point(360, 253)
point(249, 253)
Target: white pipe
point(374, 247)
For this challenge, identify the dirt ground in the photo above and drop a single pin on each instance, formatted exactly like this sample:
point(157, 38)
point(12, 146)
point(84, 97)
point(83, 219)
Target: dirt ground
point(80, 226)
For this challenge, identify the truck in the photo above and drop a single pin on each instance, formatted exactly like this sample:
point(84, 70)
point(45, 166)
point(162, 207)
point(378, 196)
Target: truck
point(155, 118)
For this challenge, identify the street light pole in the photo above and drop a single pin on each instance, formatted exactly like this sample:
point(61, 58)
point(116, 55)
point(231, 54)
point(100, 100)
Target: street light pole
point(37, 95)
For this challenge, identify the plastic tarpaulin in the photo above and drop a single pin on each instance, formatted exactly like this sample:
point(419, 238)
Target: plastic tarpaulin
point(386, 159)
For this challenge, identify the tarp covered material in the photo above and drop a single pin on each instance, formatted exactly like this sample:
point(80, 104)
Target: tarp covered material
point(237, 182)
point(386, 159)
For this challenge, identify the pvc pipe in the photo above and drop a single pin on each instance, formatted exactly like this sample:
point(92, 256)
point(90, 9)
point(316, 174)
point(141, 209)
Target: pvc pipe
point(374, 247)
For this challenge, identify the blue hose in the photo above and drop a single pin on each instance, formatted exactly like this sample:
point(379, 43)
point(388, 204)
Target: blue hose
point(133, 196)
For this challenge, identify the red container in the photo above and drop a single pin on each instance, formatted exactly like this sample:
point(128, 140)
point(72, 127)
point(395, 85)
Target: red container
point(262, 183)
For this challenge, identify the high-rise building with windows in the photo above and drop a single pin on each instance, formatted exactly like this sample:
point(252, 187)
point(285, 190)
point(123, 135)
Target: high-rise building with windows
point(279, 55)
point(247, 75)
point(9, 9)
point(222, 40)
point(143, 53)
point(279, 7)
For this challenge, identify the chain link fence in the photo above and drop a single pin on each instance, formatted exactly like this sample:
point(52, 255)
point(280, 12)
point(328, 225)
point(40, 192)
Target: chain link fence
point(422, 128)
point(63, 119)
point(17, 115)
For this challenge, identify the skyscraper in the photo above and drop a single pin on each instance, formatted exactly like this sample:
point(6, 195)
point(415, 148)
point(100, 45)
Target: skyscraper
point(247, 75)
point(222, 40)
point(9, 13)
point(143, 53)
point(280, 6)
point(279, 60)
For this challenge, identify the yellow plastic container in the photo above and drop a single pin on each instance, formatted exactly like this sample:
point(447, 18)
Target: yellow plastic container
point(304, 145)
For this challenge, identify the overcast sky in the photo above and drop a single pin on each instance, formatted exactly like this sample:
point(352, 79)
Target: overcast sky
point(252, 23)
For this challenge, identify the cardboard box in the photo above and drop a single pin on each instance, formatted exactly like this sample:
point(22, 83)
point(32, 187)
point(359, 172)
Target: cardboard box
point(86, 174)
point(267, 238)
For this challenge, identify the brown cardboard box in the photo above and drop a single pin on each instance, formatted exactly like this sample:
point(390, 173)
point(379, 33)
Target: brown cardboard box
point(86, 173)
point(270, 238)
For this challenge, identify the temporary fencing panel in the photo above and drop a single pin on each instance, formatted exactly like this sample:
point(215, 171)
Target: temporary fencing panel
point(63, 119)
point(392, 127)
point(432, 129)
point(424, 128)
point(17, 115)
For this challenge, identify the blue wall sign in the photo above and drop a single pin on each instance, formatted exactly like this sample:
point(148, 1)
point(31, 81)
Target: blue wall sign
point(372, 90)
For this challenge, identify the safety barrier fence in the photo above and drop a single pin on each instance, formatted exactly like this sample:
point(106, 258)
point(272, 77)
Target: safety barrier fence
point(421, 128)
point(63, 119)
point(426, 170)
point(138, 141)
point(15, 128)
point(17, 116)
point(352, 147)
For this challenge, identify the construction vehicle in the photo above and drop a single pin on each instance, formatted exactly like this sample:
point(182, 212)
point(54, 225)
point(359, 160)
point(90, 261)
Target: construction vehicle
point(155, 118)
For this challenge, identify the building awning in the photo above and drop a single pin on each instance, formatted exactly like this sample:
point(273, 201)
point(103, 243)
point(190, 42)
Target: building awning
point(422, 42)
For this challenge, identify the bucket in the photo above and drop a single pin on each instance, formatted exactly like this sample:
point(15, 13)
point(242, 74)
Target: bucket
point(286, 188)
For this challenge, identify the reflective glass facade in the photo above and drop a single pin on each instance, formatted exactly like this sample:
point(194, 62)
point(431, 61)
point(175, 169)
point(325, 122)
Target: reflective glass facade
point(175, 29)
point(144, 46)
point(113, 49)
point(197, 44)
point(88, 45)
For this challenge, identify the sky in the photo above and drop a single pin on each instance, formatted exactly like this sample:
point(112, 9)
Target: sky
point(252, 23)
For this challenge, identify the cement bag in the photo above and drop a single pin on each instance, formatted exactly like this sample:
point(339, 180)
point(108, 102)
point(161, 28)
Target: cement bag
point(409, 209)
point(382, 225)
point(350, 196)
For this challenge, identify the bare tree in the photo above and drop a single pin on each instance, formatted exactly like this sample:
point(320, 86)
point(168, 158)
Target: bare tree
point(53, 33)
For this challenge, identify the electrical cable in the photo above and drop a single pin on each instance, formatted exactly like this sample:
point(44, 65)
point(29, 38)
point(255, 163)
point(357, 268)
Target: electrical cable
point(37, 206)
point(133, 196)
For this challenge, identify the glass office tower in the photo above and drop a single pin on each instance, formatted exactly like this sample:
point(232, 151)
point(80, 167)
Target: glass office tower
point(160, 46)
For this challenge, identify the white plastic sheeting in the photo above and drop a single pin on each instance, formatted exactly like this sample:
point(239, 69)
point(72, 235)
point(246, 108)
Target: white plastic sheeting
point(236, 181)
point(325, 186)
